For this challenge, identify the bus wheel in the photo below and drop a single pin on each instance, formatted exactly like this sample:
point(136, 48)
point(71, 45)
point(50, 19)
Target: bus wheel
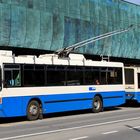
point(97, 104)
point(33, 110)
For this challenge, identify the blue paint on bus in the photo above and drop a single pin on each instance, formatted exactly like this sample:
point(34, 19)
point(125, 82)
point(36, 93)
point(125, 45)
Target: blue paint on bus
point(135, 96)
point(17, 106)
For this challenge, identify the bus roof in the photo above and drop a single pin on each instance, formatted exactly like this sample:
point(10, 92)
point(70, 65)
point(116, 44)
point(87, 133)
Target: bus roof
point(73, 59)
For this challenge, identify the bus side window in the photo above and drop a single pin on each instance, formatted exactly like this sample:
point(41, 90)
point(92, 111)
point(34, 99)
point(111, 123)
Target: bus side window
point(74, 75)
point(12, 75)
point(33, 75)
point(16, 78)
point(12, 78)
point(129, 76)
point(7, 77)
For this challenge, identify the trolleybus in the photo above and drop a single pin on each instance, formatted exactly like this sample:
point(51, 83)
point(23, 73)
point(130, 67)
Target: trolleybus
point(31, 86)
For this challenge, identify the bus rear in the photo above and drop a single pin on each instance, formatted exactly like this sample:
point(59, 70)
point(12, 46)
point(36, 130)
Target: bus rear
point(132, 83)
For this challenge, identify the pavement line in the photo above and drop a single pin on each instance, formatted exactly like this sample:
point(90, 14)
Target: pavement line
point(79, 138)
point(74, 116)
point(110, 132)
point(66, 129)
point(135, 127)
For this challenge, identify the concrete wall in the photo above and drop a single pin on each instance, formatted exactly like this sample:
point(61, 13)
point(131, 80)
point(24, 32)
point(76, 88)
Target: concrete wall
point(53, 24)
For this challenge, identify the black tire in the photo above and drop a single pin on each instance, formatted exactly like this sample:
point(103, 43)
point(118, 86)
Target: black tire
point(33, 110)
point(97, 104)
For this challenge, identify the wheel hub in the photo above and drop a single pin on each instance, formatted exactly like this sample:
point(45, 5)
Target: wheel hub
point(96, 104)
point(33, 110)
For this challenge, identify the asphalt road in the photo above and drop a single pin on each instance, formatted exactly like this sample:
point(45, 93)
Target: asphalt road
point(121, 123)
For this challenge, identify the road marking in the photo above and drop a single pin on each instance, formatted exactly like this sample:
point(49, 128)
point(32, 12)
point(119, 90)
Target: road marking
point(110, 132)
point(84, 137)
point(73, 116)
point(67, 129)
point(135, 127)
point(6, 125)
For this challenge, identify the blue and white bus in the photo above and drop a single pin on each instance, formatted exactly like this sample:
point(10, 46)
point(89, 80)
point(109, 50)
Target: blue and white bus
point(132, 83)
point(31, 86)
